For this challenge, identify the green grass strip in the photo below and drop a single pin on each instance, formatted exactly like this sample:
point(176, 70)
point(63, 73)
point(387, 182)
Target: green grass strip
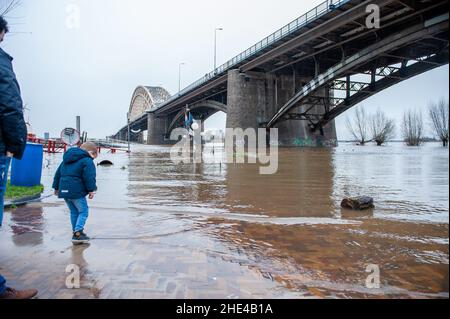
point(13, 192)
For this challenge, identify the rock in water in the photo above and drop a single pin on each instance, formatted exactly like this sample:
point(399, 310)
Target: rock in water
point(358, 203)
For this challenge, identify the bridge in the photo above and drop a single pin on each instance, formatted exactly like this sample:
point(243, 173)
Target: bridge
point(304, 75)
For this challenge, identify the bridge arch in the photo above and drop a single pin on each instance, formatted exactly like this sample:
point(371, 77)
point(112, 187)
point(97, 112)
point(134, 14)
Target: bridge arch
point(146, 98)
point(200, 110)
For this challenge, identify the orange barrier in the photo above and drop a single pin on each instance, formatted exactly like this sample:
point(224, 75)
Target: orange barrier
point(50, 146)
point(57, 146)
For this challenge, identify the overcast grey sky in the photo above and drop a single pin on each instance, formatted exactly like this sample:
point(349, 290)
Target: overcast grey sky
point(93, 70)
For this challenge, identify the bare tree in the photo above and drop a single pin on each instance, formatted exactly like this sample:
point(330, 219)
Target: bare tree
point(359, 126)
point(7, 6)
point(438, 113)
point(382, 128)
point(412, 128)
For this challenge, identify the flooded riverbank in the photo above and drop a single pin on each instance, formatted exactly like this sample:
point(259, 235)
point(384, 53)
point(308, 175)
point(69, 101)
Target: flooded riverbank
point(224, 231)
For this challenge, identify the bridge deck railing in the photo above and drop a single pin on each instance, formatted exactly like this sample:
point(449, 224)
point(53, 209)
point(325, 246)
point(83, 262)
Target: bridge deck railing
point(310, 16)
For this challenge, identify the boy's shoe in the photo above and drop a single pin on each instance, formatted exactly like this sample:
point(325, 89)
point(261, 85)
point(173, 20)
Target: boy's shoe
point(80, 238)
point(11, 293)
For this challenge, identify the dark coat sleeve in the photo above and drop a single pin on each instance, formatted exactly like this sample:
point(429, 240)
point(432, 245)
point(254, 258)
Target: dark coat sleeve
point(12, 124)
point(89, 176)
point(57, 178)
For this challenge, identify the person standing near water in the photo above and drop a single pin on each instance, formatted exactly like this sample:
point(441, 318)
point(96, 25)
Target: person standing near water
point(74, 180)
point(13, 139)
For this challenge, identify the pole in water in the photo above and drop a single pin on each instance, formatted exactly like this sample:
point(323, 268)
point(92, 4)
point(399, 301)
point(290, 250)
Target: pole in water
point(79, 123)
point(128, 133)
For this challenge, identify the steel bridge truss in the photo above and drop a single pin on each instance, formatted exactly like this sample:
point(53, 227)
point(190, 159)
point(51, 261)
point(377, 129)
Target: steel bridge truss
point(356, 91)
point(360, 76)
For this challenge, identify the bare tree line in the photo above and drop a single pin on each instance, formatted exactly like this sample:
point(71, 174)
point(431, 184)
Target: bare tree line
point(438, 113)
point(379, 128)
point(412, 127)
point(367, 128)
point(7, 6)
point(383, 128)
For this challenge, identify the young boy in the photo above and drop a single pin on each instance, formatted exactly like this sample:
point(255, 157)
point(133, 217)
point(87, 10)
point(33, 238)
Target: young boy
point(74, 180)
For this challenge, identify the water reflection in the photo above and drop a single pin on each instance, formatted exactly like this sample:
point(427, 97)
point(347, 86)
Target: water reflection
point(77, 255)
point(302, 187)
point(406, 183)
point(327, 260)
point(27, 224)
point(285, 226)
point(186, 231)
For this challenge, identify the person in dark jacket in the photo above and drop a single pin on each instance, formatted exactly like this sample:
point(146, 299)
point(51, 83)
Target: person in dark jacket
point(13, 138)
point(13, 130)
point(74, 180)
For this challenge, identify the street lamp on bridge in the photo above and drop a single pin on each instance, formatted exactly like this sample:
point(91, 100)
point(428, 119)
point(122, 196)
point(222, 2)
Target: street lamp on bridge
point(179, 76)
point(215, 47)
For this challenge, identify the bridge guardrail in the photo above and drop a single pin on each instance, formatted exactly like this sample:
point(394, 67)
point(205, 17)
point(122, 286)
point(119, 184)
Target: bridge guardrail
point(310, 16)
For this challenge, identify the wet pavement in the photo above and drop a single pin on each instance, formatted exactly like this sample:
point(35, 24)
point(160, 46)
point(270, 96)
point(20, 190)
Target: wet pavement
point(223, 231)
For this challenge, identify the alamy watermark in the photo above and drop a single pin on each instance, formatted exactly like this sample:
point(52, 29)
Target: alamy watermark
point(251, 146)
point(73, 16)
point(373, 280)
point(73, 279)
point(373, 19)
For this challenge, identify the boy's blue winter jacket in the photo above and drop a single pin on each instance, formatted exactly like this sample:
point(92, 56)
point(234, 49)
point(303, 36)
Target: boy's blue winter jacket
point(76, 176)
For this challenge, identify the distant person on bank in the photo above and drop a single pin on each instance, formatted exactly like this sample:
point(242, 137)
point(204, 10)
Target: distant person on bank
point(74, 180)
point(13, 139)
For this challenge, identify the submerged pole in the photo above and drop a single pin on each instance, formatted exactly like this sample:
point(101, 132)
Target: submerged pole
point(79, 124)
point(128, 133)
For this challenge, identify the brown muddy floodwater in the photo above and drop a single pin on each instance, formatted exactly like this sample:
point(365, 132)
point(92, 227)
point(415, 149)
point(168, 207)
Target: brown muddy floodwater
point(223, 231)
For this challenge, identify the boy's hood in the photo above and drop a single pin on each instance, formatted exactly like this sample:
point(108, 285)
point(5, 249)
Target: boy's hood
point(74, 155)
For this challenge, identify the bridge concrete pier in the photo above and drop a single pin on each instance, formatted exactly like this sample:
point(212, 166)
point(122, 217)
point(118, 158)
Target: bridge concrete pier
point(156, 130)
point(254, 98)
point(246, 95)
point(298, 132)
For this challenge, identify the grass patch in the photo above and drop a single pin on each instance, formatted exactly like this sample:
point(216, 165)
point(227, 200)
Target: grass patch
point(13, 192)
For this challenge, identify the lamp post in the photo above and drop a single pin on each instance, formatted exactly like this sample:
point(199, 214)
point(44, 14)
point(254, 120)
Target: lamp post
point(215, 47)
point(179, 76)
